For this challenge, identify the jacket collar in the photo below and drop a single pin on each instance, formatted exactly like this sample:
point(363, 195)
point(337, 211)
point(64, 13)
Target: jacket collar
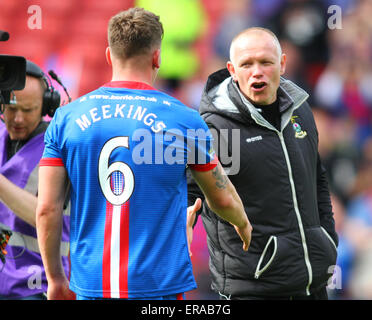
point(227, 98)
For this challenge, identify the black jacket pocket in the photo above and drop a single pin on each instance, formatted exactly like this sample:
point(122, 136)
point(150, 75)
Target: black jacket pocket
point(322, 253)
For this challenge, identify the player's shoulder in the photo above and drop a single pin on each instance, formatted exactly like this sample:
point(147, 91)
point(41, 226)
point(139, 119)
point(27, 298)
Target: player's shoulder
point(176, 105)
point(182, 115)
point(76, 104)
point(89, 97)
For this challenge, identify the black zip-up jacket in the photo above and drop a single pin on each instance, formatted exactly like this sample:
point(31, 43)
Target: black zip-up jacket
point(283, 186)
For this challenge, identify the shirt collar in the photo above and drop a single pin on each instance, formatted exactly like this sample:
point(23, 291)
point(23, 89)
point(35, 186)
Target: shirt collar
point(129, 85)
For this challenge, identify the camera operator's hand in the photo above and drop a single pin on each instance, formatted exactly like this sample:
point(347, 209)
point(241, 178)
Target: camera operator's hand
point(4, 239)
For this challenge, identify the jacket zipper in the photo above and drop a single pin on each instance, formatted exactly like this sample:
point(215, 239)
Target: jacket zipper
point(264, 123)
point(259, 271)
point(294, 197)
point(299, 220)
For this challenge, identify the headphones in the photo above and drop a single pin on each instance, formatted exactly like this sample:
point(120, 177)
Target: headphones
point(51, 97)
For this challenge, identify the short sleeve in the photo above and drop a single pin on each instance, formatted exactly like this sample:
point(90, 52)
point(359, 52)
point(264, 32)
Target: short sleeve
point(52, 154)
point(201, 155)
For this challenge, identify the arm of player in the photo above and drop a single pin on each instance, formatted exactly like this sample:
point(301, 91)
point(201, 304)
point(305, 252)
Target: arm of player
point(223, 199)
point(20, 201)
point(49, 220)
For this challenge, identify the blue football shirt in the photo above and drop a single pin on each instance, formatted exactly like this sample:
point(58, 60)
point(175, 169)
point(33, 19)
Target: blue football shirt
point(125, 147)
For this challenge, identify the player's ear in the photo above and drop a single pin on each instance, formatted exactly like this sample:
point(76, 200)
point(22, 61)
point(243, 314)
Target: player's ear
point(156, 59)
point(231, 69)
point(108, 56)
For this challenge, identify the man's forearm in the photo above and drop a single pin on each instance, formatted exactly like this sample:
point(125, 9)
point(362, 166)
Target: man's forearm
point(49, 230)
point(223, 199)
point(233, 210)
point(221, 195)
point(49, 221)
point(20, 201)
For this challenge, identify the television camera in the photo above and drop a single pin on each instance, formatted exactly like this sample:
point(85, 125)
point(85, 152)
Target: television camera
point(12, 72)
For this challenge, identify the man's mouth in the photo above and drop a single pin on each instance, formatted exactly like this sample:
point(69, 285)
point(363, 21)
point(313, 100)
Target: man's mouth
point(18, 129)
point(258, 86)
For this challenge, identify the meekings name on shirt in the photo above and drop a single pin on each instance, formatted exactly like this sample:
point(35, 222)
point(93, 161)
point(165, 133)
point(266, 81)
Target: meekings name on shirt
point(138, 113)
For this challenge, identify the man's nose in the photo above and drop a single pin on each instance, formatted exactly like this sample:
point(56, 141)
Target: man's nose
point(19, 116)
point(257, 70)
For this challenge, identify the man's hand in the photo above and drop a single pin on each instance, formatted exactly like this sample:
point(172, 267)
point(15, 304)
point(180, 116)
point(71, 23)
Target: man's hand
point(245, 233)
point(59, 290)
point(191, 215)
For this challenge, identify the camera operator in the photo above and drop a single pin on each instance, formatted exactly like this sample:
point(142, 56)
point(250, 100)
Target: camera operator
point(21, 147)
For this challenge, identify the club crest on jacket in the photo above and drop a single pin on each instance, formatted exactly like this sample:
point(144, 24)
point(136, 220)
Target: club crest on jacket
point(299, 133)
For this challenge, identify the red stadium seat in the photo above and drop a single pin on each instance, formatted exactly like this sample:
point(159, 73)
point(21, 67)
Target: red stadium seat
point(26, 45)
point(110, 7)
point(7, 8)
point(88, 24)
point(55, 7)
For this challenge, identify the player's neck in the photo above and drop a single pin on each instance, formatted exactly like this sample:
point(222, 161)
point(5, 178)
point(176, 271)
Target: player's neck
point(130, 74)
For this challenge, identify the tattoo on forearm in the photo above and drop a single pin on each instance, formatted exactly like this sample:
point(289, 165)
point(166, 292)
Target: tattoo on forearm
point(220, 177)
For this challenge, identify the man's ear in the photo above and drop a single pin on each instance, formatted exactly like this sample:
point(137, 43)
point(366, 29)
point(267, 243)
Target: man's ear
point(231, 69)
point(108, 56)
point(156, 59)
point(283, 62)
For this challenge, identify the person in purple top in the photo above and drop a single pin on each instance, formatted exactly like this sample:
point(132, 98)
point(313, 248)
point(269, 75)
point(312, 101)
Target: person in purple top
point(22, 129)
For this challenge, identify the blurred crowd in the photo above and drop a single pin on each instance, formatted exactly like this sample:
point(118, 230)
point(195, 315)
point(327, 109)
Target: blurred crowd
point(334, 65)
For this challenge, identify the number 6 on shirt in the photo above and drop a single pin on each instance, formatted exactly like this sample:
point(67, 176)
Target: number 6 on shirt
point(105, 171)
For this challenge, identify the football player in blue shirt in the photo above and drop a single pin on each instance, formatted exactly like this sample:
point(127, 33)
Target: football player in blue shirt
point(124, 148)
